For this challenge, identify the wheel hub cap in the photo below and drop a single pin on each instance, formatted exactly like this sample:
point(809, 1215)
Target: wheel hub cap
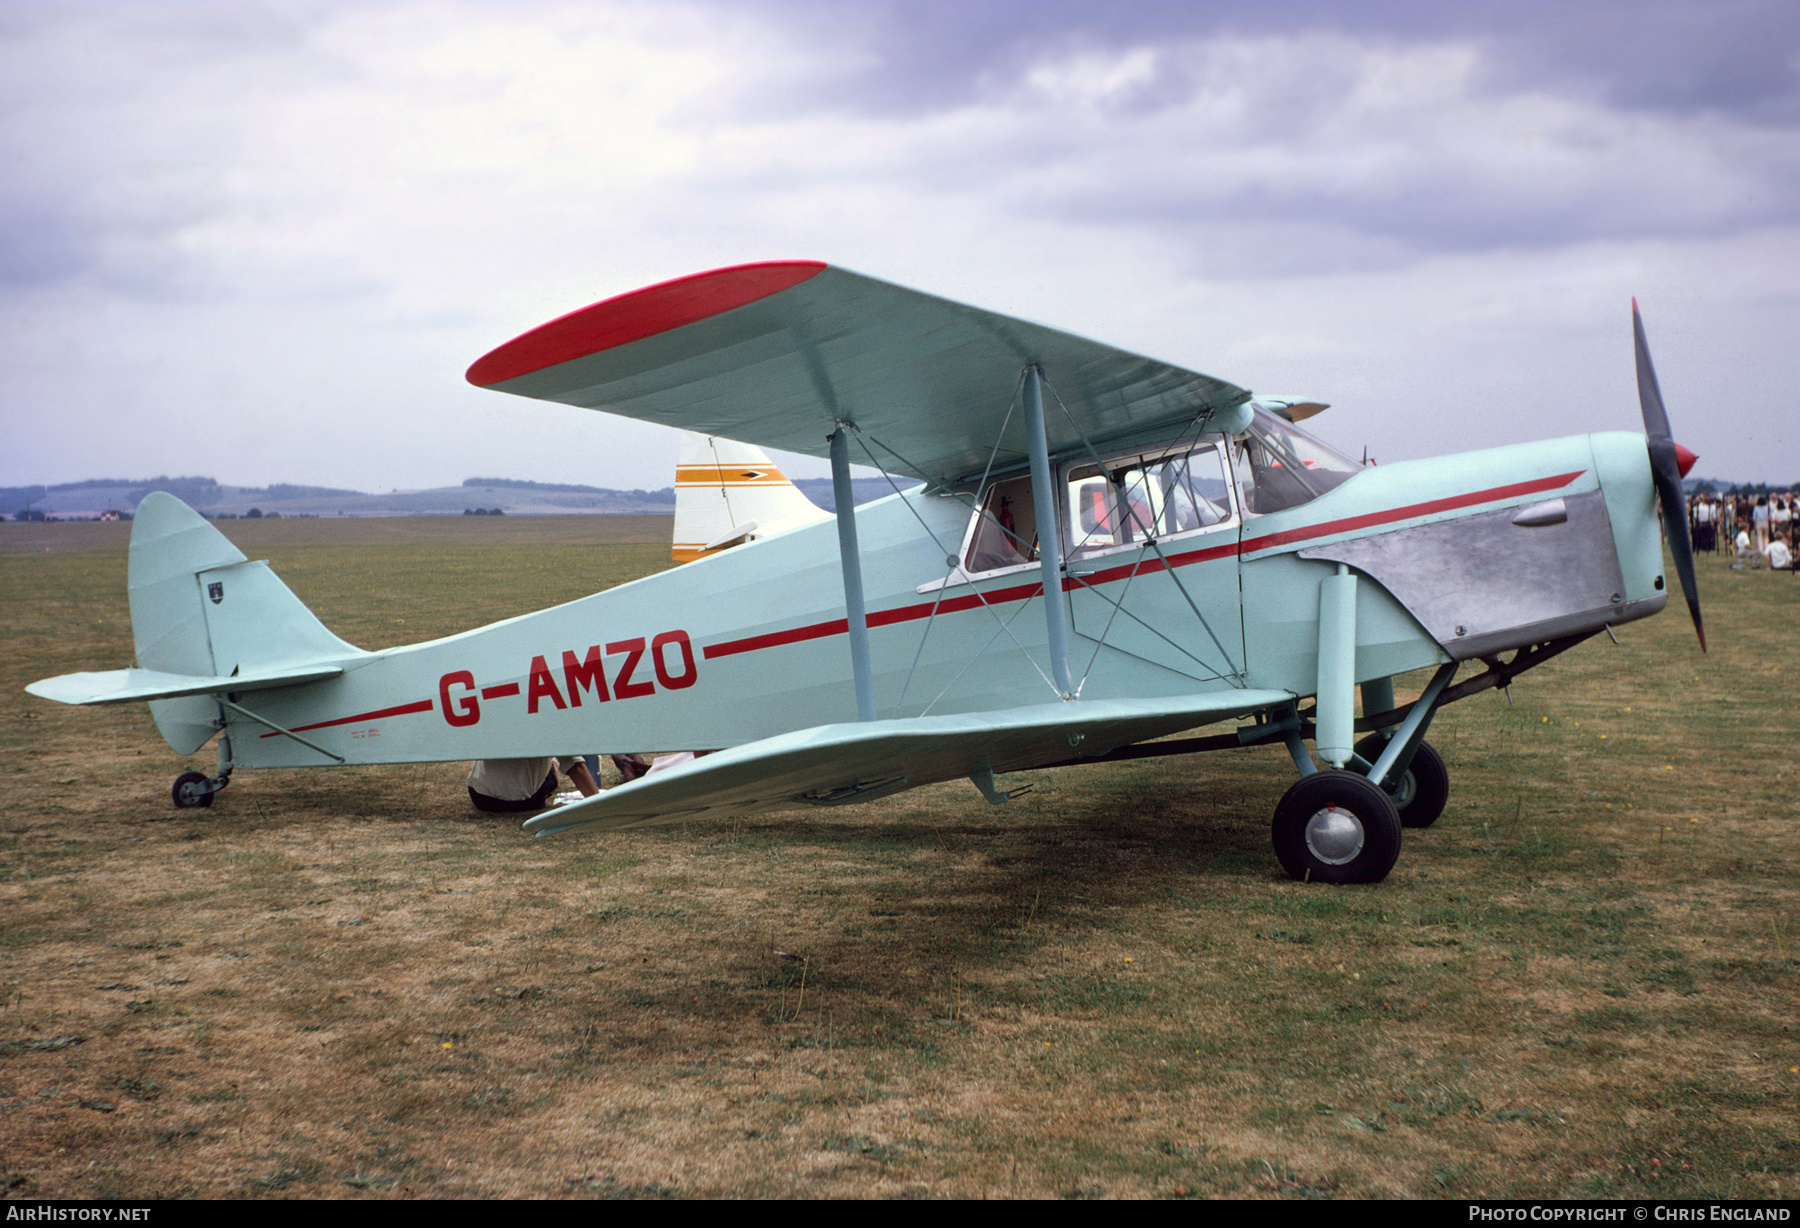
point(1334, 835)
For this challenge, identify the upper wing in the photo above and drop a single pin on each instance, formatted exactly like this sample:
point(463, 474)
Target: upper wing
point(833, 764)
point(776, 354)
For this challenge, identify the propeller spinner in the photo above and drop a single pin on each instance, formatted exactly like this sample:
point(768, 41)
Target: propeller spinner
point(1669, 463)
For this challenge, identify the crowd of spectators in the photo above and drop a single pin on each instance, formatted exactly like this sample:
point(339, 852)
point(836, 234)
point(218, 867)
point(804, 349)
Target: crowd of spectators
point(1753, 531)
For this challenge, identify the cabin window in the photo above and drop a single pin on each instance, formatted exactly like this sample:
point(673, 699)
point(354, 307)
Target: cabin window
point(1005, 531)
point(1281, 466)
point(1158, 494)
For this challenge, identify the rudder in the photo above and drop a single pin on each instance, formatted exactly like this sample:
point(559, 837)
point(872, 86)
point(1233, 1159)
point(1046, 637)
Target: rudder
point(199, 606)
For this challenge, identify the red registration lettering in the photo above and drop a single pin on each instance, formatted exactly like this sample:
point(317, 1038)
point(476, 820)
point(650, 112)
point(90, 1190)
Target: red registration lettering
point(580, 675)
point(542, 685)
point(465, 709)
point(623, 686)
point(688, 675)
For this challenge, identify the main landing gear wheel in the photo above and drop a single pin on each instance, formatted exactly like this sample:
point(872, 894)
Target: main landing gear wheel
point(191, 791)
point(1419, 792)
point(1337, 827)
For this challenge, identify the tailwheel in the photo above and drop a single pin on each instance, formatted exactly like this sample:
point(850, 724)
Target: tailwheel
point(1336, 826)
point(1419, 792)
point(192, 790)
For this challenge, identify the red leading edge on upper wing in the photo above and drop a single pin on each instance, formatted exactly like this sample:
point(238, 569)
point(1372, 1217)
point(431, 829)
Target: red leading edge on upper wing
point(638, 314)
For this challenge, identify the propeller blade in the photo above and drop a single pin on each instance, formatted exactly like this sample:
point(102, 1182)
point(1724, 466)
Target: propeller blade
point(1666, 469)
point(1656, 419)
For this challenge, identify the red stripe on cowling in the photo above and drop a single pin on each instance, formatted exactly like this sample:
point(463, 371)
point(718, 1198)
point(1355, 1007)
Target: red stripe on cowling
point(639, 314)
point(1407, 513)
point(424, 705)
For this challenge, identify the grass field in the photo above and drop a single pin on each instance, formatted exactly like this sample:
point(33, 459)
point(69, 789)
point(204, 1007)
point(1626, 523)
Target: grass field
point(1581, 982)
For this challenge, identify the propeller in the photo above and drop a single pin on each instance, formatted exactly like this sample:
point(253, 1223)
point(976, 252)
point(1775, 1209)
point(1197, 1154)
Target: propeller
point(1669, 463)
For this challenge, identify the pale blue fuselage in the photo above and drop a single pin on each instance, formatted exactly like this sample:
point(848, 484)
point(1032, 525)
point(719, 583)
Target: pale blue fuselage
point(1259, 598)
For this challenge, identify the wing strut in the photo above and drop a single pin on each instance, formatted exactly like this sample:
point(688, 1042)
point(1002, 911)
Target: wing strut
point(854, 612)
point(1043, 494)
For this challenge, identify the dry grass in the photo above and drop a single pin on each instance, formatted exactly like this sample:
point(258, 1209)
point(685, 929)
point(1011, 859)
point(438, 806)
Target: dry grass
point(344, 983)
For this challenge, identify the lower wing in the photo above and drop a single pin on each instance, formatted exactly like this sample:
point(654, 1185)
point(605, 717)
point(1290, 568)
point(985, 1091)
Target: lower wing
point(834, 764)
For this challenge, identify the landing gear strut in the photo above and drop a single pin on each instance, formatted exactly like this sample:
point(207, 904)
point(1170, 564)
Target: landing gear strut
point(194, 790)
point(1421, 790)
point(1338, 825)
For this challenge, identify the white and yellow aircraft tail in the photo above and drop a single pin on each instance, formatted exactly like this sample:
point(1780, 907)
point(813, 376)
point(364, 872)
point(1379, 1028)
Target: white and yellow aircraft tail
point(728, 493)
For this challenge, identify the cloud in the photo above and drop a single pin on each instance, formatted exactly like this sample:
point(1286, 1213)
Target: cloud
point(273, 236)
point(1731, 56)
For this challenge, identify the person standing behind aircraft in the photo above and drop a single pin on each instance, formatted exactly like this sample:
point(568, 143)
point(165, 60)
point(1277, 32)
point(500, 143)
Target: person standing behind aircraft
point(1705, 525)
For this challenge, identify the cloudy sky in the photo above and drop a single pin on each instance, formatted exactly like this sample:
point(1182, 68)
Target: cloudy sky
point(262, 239)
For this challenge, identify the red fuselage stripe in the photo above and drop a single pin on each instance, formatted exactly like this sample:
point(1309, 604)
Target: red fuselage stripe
point(424, 705)
point(1024, 592)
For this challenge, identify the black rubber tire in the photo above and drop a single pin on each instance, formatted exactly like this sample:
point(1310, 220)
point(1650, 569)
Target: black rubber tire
point(1375, 828)
point(1421, 792)
point(186, 796)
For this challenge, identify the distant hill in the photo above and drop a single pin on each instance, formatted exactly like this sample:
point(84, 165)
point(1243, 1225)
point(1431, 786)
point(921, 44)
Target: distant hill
point(80, 500)
point(516, 497)
point(665, 495)
point(866, 489)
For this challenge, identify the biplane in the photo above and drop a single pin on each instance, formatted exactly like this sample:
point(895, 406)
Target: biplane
point(1086, 553)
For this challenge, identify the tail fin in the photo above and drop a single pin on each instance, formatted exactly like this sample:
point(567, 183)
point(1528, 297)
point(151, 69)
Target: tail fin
point(728, 492)
point(199, 607)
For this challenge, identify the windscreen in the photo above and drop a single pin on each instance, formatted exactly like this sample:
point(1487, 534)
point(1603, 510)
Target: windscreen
point(1281, 466)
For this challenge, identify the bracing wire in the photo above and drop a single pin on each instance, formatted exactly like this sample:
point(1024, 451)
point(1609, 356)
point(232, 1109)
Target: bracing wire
point(976, 656)
point(1119, 608)
point(1005, 625)
point(1150, 538)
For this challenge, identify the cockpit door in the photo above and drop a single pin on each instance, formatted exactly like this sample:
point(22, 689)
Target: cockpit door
point(1152, 556)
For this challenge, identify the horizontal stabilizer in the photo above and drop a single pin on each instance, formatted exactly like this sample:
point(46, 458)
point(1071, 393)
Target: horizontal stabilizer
point(833, 764)
point(124, 686)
